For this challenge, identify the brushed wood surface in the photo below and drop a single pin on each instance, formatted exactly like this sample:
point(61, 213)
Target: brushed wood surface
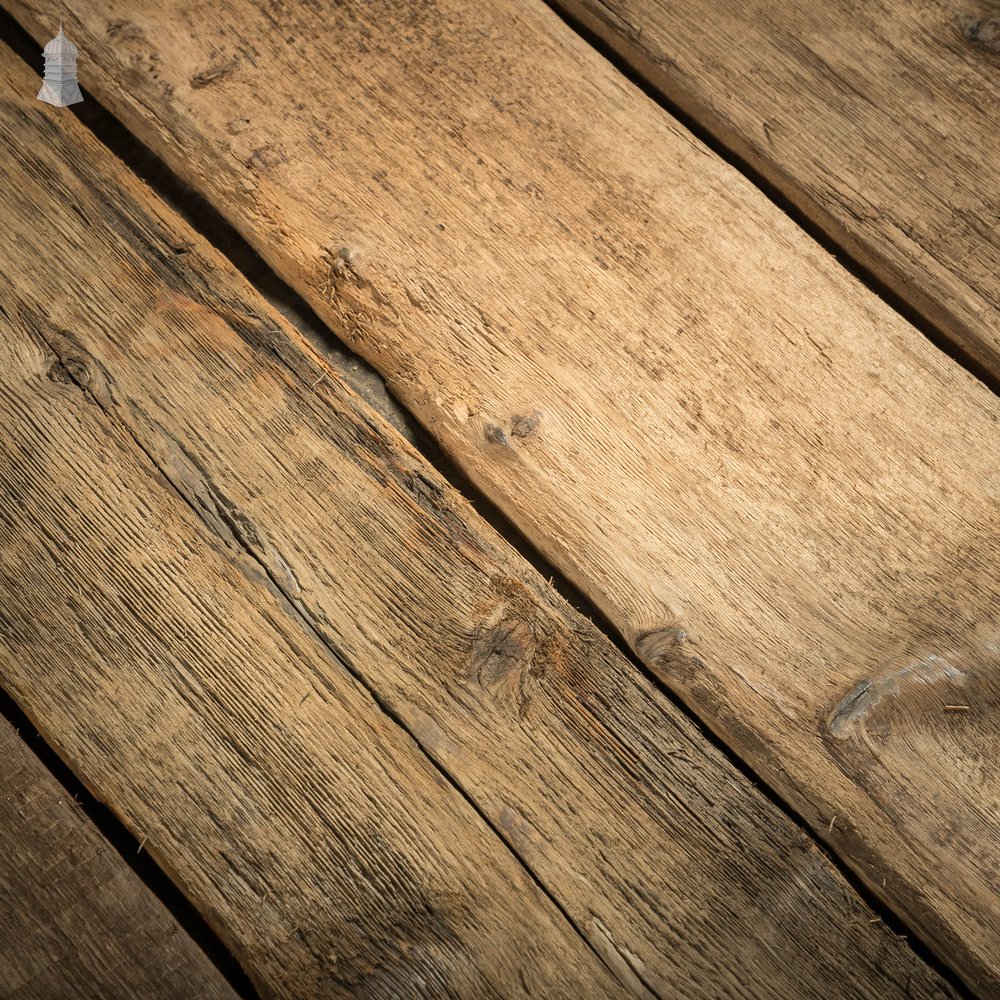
point(75, 921)
point(881, 121)
point(164, 663)
point(778, 491)
point(251, 616)
point(317, 839)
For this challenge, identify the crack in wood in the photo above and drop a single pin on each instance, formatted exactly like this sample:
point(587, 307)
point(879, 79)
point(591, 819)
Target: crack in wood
point(242, 532)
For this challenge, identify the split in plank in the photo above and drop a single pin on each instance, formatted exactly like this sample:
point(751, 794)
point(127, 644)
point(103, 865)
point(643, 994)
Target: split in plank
point(75, 921)
point(166, 666)
point(879, 120)
point(215, 552)
point(778, 491)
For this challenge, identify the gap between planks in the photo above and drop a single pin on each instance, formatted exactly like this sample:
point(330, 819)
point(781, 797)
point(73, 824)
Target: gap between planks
point(308, 623)
point(71, 362)
point(847, 259)
point(128, 848)
point(205, 219)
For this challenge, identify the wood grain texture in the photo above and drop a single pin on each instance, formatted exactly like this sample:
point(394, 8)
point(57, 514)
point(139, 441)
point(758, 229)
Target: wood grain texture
point(160, 658)
point(75, 921)
point(207, 539)
point(879, 120)
point(319, 842)
point(783, 497)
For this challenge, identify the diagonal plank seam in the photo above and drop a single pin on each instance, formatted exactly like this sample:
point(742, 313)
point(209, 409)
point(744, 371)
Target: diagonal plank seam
point(633, 604)
point(223, 237)
point(851, 263)
point(239, 530)
point(127, 846)
point(219, 233)
point(201, 214)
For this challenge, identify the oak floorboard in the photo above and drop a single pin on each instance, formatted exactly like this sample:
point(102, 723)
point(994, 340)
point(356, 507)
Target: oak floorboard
point(321, 845)
point(781, 495)
point(251, 616)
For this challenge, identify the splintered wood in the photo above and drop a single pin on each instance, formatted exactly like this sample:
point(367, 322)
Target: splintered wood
point(363, 736)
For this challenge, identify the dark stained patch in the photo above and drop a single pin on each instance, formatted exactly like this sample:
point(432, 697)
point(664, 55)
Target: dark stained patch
point(497, 435)
point(981, 32)
point(267, 157)
point(123, 30)
point(522, 427)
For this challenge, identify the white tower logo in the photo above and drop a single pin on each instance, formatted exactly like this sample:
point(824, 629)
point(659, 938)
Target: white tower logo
point(60, 86)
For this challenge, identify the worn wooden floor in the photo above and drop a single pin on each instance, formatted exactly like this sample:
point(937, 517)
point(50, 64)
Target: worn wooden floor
point(351, 721)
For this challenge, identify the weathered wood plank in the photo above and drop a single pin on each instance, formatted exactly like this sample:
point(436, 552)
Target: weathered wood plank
point(878, 120)
point(779, 492)
point(209, 711)
point(75, 921)
point(317, 839)
point(166, 666)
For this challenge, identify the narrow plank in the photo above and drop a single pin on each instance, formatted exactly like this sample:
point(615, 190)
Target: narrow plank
point(153, 630)
point(75, 921)
point(878, 120)
point(782, 496)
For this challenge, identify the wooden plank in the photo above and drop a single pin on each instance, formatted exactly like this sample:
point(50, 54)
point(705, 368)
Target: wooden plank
point(877, 120)
point(161, 660)
point(316, 838)
point(187, 656)
point(75, 921)
point(782, 496)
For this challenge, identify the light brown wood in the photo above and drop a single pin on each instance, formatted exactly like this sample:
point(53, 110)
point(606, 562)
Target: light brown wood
point(208, 535)
point(160, 658)
point(75, 921)
point(321, 844)
point(879, 120)
point(783, 497)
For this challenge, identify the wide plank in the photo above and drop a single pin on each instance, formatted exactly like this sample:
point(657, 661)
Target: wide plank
point(75, 921)
point(208, 536)
point(778, 491)
point(878, 120)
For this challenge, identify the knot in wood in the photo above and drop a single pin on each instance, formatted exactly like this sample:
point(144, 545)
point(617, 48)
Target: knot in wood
point(503, 661)
point(981, 32)
point(525, 426)
point(667, 651)
point(71, 371)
